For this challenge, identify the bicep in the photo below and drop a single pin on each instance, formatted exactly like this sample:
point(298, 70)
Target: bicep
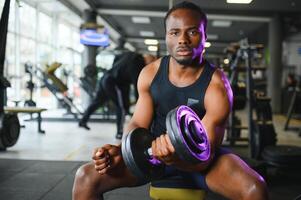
point(218, 106)
point(143, 113)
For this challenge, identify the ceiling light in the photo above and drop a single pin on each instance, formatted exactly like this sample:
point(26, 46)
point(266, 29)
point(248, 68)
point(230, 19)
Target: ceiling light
point(147, 33)
point(151, 42)
point(221, 23)
point(212, 37)
point(239, 1)
point(226, 61)
point(141, 20)
point(152, 48)
point(207, 44)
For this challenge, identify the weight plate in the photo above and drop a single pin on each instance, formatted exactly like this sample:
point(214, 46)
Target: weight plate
point(188, 135)
point(134, 151)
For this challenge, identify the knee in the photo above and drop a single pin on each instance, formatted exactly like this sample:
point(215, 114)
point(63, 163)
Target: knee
point(256, 189)
point(85, 183)
point(84, 177)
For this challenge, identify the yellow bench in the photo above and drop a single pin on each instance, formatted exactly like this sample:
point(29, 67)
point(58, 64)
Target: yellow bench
point(30, 110)
point(158, 193)
point(175, 188)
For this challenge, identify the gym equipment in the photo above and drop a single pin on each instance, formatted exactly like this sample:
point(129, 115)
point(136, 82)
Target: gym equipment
point(156, 193)
point(10, 130)
point(186, 134)
point(262, 135)
point(282, 156)
point(30, 110)
point(263, 108)
point(30, 85)
point(239, 94)
point(57, 88)
point(296, 95)
point(9, 123)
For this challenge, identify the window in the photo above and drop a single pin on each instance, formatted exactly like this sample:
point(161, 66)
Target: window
point(65, 36)
point(27, 21)
point(44, 54)
point(10, 58)
point(44, 28)
point(27, 50)
point(31, 38)
point(1, 5)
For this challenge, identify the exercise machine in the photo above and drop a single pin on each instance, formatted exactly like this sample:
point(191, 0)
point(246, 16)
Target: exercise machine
point(29, 85)
point(58, 88)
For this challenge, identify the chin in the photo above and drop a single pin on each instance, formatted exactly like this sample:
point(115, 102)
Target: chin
point(183, 60)
point(187, 61)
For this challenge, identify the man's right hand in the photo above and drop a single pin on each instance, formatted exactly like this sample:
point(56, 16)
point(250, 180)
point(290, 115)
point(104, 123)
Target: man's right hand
point(106, 158)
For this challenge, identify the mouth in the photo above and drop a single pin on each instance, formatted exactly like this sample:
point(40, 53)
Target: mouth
point(184, 51)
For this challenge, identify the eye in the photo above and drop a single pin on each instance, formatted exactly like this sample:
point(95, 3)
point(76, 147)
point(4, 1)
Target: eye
point(173, 33)
point(193, 32)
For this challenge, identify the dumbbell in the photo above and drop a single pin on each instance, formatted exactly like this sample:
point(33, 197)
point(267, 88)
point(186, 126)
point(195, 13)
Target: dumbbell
point(187, 135)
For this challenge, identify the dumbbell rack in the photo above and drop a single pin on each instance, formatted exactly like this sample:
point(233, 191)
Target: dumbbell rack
point(262, 134)
point(292, 105)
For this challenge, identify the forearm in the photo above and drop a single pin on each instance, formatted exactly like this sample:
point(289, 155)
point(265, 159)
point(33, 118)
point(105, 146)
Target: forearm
point(131, 126)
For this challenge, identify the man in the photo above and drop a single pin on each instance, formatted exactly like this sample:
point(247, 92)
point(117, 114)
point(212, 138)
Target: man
point(184, 77)
point(114, 85)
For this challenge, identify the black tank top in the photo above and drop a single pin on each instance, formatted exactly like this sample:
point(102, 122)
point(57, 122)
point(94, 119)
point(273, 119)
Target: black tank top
point(167, 96)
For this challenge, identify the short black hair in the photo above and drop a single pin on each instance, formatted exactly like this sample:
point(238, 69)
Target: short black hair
point(189, 6)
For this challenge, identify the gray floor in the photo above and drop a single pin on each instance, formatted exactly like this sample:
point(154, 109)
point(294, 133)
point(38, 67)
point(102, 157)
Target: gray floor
point(43, 166)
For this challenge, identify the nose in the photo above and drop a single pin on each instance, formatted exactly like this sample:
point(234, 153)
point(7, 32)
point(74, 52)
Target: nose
point(184, 39)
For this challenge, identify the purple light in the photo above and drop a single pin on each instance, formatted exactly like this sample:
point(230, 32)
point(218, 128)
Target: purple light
point(228, 89)
point(154, 161)
point(191, 117)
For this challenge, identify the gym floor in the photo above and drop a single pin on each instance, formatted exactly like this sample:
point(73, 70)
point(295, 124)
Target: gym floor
point(42, 166)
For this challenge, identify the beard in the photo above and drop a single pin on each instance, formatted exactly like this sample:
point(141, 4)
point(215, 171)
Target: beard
point(195, 60)
point(189, 61)
point(185, 61)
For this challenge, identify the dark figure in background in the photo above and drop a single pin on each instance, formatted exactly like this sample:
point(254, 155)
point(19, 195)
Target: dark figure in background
point(114, 85)
point(290, 81)
point(183, 77)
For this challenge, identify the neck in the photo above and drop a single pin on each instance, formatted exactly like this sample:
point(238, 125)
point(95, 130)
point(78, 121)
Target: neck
point(195, 65)
point(183, 72)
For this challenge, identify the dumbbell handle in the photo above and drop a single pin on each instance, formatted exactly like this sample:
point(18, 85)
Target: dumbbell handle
point(150, 152)
point(153, 160)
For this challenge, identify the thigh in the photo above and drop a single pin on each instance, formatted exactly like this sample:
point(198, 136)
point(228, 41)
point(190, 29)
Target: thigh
point(230, 176)
point(175, 178)
point(116, 178)
point(111, 89)
point(100, 97)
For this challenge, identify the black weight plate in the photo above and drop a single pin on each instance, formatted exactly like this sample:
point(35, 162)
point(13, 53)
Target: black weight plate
point(264, 135)
point(134, 147)
point(283, 155)
point(10, 130)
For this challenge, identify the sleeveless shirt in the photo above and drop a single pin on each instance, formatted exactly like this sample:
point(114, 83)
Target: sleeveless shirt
point(167, 96)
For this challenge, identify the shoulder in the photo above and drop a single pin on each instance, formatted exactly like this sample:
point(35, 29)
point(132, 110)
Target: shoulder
point(219, 80)
point(149, 71)
point(219, 87)
point(218, 97)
